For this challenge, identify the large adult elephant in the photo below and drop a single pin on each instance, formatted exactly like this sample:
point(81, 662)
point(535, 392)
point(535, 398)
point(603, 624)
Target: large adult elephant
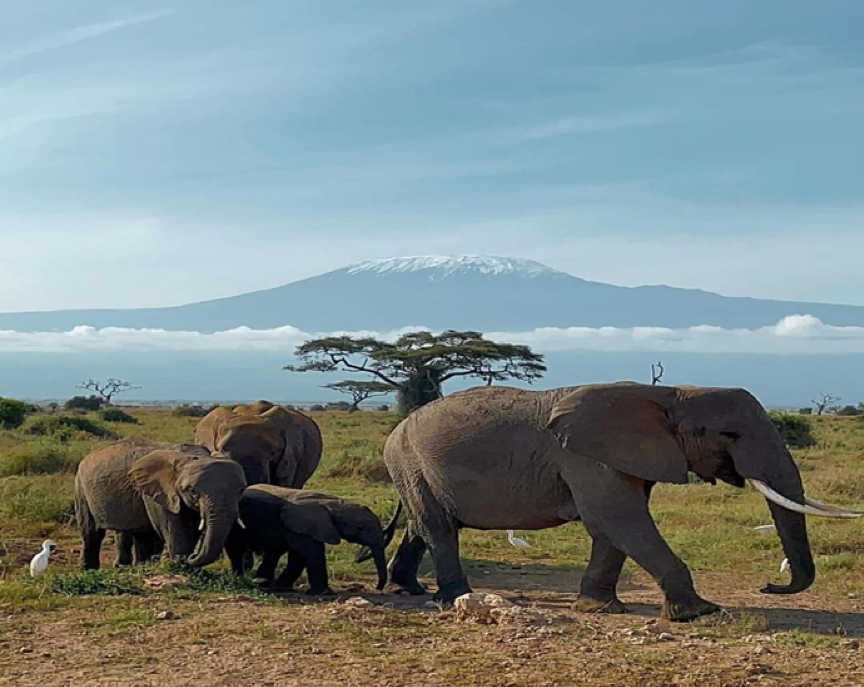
point(505, 458)
point(138, 489)
point(274, 445)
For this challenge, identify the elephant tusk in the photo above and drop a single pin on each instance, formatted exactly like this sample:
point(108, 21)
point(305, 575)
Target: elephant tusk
point(241, 523)
point(788, 504)
point(821, 505)
point(784, 566)
point(201, 525)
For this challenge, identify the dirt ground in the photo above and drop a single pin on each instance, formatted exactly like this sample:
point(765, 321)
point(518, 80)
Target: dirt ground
point(400, 640)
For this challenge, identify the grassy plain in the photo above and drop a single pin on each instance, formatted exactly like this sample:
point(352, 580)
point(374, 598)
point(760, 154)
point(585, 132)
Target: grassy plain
point(106, 628)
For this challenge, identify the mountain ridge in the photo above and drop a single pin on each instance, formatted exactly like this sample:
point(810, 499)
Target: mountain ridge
point(487, 293)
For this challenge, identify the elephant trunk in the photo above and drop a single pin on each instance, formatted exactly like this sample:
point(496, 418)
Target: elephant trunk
point(792, 530)
point(217, 519)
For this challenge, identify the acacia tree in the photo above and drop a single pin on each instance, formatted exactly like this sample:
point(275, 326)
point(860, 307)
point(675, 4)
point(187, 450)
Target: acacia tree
point(360, 391)
point(825, 400)
point(417, 364)
point(657, 371)
point(107, 389)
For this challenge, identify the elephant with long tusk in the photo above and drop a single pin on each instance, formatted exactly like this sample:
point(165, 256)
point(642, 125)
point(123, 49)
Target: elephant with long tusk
point(510, 459)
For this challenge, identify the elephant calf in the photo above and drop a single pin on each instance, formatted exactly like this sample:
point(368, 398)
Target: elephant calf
point(280, 520)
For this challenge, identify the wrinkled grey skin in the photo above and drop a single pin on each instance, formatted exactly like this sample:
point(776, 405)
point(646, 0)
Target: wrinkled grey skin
point(141, 489)
point(279, 520)
point(504, 458)
point(274, 445)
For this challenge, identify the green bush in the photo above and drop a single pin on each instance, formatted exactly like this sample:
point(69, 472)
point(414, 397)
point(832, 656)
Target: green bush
point(64, 427)
point(191, 411)
point(849, 411)
point(796, 430)
point(84, 403)
point(107, 582)
point(117, 415)
point(42, 457)
point(12, 413)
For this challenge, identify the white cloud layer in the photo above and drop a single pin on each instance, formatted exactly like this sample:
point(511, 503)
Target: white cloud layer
point(796, 334)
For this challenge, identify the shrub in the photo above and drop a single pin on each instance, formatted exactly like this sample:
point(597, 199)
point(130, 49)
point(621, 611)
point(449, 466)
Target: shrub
point(384, 408)
point(41, 457)
point(117, 415)
point(850, 411)
point(338, 405)
point(84, 403)
point(12, 413)
point(191, 411)
point(317, 407)
point(797, 431)
point(108, 582)
point(65, 426)
point(805, 411)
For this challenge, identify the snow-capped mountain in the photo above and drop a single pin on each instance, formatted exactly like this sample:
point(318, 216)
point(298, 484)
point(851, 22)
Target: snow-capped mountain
point(436, 267)
point(486, 293)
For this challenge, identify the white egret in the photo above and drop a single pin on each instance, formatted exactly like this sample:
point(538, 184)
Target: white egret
point(39, 562)
point(515, 541)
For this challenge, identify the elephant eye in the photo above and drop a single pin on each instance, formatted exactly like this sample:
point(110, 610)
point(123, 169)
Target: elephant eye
point(734, 436)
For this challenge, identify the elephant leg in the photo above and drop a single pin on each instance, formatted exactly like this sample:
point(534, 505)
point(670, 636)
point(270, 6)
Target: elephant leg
point(123, 542)
point(293, 569)
point(91, 535)
point(148, 546)
point(406, 561)
point(597, 590)
point(235, 548)
point(441, 534)
point(616, 506)
point(267, 570)
point(314, 555)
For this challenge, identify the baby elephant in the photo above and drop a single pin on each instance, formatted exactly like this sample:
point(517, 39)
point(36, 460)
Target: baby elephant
point(280, 520)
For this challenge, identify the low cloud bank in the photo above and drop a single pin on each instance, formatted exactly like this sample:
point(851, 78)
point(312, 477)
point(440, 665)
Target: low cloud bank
point(796, 334)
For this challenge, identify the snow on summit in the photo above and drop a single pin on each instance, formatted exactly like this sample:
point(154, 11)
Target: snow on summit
point(446, 265)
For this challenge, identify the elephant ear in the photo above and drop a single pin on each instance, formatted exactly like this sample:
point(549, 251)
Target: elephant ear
point(624, 426)
point(284, 469)
point(312, 520)
point(155, 475)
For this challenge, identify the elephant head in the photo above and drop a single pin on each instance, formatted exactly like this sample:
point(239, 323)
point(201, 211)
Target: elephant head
point(212, 487)
point(272, 444)
point(659, 434)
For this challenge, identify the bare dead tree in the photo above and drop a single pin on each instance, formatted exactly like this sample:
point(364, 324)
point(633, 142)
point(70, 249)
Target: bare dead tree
point(825, 400)
point(108, 389)
point(657, 371)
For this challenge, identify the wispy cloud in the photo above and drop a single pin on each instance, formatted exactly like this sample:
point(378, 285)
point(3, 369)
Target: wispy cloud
point(78, 34)
point(796, 334)
point(569, 126)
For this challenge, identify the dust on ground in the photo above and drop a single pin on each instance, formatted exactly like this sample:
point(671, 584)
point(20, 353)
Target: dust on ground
point(401, 640)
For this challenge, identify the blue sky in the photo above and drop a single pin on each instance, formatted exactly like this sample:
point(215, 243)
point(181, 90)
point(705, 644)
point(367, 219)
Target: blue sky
point(162, 153)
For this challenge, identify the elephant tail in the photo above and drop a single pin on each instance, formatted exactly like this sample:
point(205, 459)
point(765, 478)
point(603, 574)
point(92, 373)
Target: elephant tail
point(365, 553)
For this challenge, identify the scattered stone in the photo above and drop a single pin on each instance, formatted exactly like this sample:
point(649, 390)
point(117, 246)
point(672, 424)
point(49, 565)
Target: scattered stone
point(315, 650)
point(358, 602)
point(760, 639)
point(165, 615)
point(850, 644)
point(762, 650)
point(492, 609)
point(25, 650)
point(165, 582)
point(356, 587)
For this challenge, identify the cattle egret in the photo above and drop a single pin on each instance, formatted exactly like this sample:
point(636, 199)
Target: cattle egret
point(515, 541)
point(784, 566)
point(39, 562)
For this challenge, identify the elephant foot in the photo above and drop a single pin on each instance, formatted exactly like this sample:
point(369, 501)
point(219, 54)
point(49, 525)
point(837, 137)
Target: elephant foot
point(685, 612)
point(449, 592)
point(414, 588)
point(326, 591)
point(587, 604)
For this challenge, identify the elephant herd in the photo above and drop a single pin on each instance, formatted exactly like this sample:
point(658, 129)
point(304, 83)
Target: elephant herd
point(489, 458)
